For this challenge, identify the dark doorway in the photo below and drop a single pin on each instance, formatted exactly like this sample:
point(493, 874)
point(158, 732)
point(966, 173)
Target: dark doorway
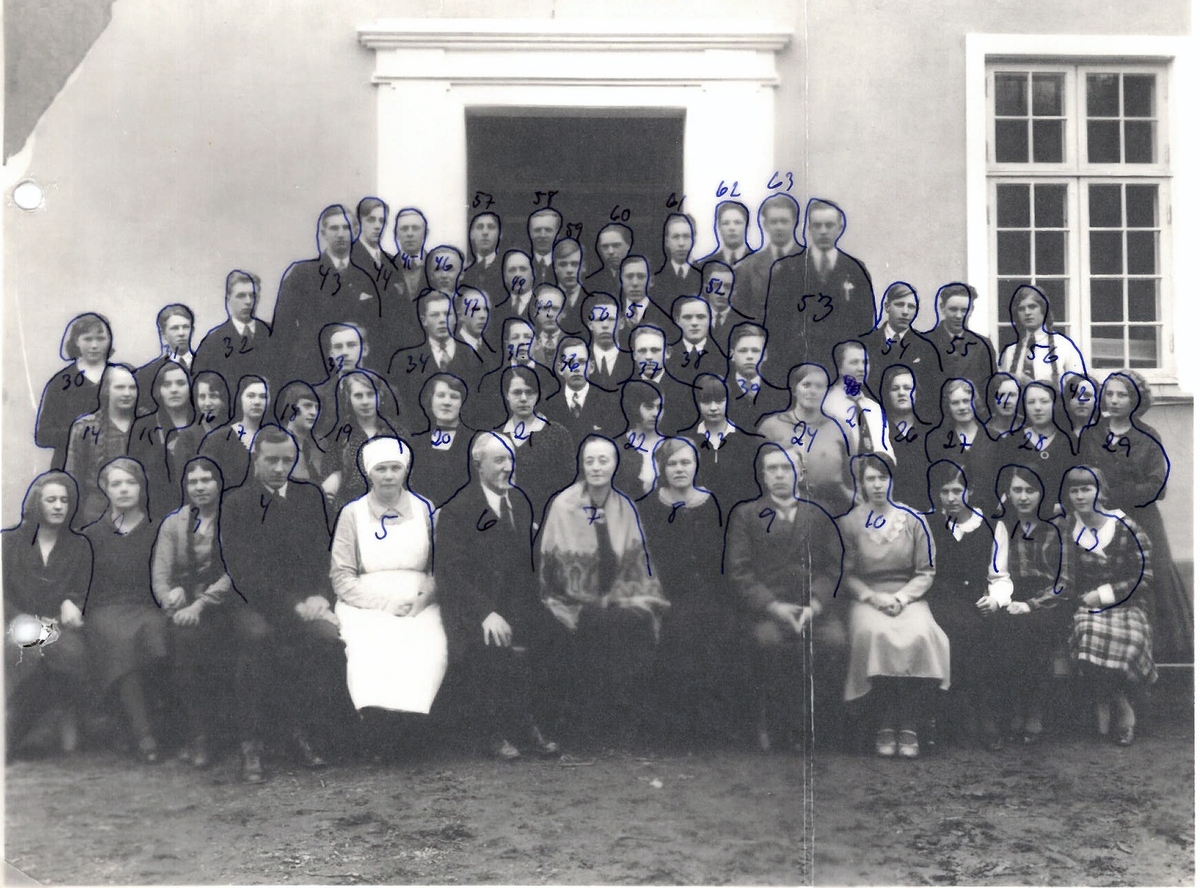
point(603, 163)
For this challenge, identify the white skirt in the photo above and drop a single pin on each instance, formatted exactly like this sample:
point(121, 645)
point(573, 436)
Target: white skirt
point(393, 662)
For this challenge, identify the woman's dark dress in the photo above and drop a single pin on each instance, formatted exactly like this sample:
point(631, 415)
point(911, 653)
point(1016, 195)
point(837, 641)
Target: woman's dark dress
point(981, 460)
point(66, 397)
point(437, 473)
point(124, 627)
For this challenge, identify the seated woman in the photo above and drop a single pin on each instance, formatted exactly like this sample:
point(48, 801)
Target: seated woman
point(440, 467)
point(595, 577)
point(74, 389)
point(1080, 398)
point(1130, 454)
point(1028, 559)
point(896, 647)
point(725, 451)
point(907, 431)
point(217, 638)
point(382, 573)
point(542, 446)
point(229, 445)
point(210, 407)
point(359, 420)
point(783, 558)
point(1107, 574)
point(1038, 443)
point(46, 571)
point(961, 600)
point(171, 393)
point(959, 436)
point(803, 425)
point(125, 630)
point(642, 405)
point(1003, 395)
point(97, 438)
point(682, 527)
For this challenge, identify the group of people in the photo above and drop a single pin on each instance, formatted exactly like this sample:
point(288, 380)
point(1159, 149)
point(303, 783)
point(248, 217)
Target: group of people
point(576, 503)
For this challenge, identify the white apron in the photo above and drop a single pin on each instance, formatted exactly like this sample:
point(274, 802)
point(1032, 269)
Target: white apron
point(393, 662)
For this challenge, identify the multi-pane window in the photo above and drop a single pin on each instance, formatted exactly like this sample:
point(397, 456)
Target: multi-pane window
point(1078, 176)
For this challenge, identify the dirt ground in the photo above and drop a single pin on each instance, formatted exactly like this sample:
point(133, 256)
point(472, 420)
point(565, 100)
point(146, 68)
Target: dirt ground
point(1071, 811)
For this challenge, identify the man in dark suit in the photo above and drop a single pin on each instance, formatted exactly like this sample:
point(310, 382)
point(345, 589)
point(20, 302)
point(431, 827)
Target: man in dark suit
point(316, 292)
point(545, 313)
point(410, 231)
point(783, 559)
point(567, 258)
point(613, 243)
point(818, 298)
point(175, 323)
point(241, 344)
point(584, 409)
point(443, 266)
point(518, 284)
point(409, 368)
point(716, 289)
point(637, 307)
point(964, 353)
point(486, 269)
point(650, 353)
point(694, 351)
point(894, 341)
point(732, 218)
point(367, 252)
point(608, 366)
point(752, 396)
point(778, 217)
point(544, 226)
point(473, 308)
point(677, 276)
point(275, 541)
point(496, 625)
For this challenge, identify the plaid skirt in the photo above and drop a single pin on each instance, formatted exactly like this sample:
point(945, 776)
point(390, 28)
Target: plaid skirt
point(1118, 638)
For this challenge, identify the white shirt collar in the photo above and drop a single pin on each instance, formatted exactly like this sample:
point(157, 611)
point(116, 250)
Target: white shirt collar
point(469, 339)
point(486, 261)
point(701, 345)
point(281, 492)
point(962, 528)
point(581, 395)
point(892, 334)
point(494, 499)
point(542, 258)
point(242, 329)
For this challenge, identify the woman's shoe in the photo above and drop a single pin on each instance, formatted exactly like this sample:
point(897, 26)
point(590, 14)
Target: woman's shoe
point(885, 742)
point(910, 747)
point(1125, 735)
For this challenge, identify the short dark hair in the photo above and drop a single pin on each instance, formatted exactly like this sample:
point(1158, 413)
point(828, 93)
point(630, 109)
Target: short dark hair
point(949, 291)
point(898, 290)
point(735, 205)
point(565, 246)
point(333, 210)
point(237, 276)
point(710, 388)
point(271, 434)
point(634, 257)
point(80, 325)
point(523, 373)
point(427, 389)
point(367, 205)
point(203, 463)
point(839, 350)
point(745, 331)
point(624, 230)
point(677, 305)
point(336, 327)
point(711, 267)
point(780, 200)
point(175, 309)
point(293, 393)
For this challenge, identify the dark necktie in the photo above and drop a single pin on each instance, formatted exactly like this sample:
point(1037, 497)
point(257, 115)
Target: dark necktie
point(506, 514)
point(576, 407)
point(865, 442)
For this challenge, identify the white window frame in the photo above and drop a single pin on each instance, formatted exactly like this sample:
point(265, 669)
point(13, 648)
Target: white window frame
point(1172, 57)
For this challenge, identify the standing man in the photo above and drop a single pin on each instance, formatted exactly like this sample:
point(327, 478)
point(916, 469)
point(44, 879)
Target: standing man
point(637, 307)
point(175, 341)
point(409, 368)
point(518, 282)
point(443, 266)
point(275, 540)
point(241, 345)
point(613, 244)
point(473, 308)
point(496, 625)
point(778, 217)
point(716, 289)
point(964, 353)
point(411, 230)
point(608, 365)
point(367, 253)
point(818, 298)
point(567, 258)
point(752, 397)
point(584, 409)
point(648, 347)
point(731, 219)
point(853, 406)
point(694, 352)
point(316, 292)
point(677, 276)
point(486, 270)
point(544, 226)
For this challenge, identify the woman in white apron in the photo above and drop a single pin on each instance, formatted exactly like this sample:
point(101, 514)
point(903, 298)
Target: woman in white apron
point(382, 563)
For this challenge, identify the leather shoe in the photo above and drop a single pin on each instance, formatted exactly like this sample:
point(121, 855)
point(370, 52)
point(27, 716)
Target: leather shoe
point(885, 742)
point(542, 746)
point(148, 750)
point(505, 751)
point(252, 769)
point(910, 747)
point(307, 756)
point(1125, 735)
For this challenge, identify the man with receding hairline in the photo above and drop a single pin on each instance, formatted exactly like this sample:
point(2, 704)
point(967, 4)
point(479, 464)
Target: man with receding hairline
point(241, 344)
